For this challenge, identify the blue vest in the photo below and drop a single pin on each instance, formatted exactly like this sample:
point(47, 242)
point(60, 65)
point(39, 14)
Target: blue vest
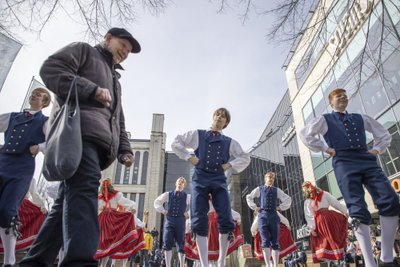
point(23, 132)
point(268, 197)
point(176, 204)
point(213, 151)
point(345, 133)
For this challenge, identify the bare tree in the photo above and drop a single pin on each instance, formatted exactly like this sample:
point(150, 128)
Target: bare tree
point(96, 15)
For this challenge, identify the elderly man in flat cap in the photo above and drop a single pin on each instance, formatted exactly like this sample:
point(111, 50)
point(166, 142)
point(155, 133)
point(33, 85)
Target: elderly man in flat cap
point(72, 224)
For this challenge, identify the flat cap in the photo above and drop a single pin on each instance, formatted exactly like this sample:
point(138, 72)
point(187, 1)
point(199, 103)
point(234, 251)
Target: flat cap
point(124, 34)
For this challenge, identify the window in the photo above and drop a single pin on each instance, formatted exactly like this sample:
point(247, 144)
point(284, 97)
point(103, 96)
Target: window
point(374, 96)
point(144, 167)
point(136, 168)
point(333, 185)
point(308, 113)
point(117, 179)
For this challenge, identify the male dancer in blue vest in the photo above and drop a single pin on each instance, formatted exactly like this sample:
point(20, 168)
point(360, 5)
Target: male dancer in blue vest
point(175, 217)
point(355, 166)
point(24, 136)
point(214, 154)
point(272, 199)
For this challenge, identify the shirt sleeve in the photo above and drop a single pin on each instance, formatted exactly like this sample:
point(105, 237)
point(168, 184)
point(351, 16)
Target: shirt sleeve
point(240, 159)
point(127, 204)
point(36, 198)
point(159, 203)
point(335, 203)
point(188, 203)
point(309, 214)
point(236, 216)
point(284, 220)
point(382, 137)
point(311, 130)
point(250, 198)
point(285, 199)
point(4, 121)
point(102, 203)
point(182, 143)
point(139, 223)
point(254, 226)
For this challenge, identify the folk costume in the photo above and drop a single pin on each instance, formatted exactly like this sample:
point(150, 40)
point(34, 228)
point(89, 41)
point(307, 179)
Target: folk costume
point(330, 226)
point(213, 149)
point(286, 243)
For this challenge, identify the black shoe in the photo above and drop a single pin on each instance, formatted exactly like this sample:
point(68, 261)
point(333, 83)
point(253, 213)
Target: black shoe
point(388, 264)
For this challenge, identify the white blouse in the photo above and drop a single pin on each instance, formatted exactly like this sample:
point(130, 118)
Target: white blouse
point(327, 201)
point(119, 200)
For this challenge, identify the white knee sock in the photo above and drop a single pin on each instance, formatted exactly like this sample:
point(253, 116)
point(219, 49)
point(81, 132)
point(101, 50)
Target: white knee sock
point(168, 257)
point(275, 257)
point(124, 262)
point(202, 246)
point(223, 249)
point(104, 261)
point(113, 262)
point(181, 259)
point(9, 242)
point(364, 240)
point(389, 226)
point(267, 256)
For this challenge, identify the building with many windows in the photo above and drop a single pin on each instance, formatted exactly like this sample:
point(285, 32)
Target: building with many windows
point(355, 47)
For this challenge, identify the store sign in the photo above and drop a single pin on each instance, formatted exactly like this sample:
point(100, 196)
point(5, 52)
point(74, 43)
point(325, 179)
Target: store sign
point(350, 23)
point(302, 232)
point(288, 135)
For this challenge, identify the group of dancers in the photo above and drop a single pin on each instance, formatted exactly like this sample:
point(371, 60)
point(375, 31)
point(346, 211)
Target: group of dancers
point(202, 224)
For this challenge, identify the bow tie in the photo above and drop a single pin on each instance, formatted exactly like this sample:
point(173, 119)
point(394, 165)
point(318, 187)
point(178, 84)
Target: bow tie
point(215, 133)
point(27, 114)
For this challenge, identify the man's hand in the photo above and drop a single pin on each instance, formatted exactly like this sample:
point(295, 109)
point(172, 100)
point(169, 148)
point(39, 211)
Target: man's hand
point(127, 159)
point(193, 160)
point(103, 96)
point(34, 150)
point(257, 209)
point(331, 152)
point(226, 166)
point(165, 212)
point(186, 214)
point(373, 152)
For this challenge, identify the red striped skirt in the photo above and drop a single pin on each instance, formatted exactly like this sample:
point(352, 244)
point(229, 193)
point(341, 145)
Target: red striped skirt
point(117, 230)
point(330, 242)
point(132, 248)
point(286, 243)
point(32, 219)
point(190, 248)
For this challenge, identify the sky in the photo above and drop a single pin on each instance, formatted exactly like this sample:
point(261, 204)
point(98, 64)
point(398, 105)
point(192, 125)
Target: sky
point(193, 61)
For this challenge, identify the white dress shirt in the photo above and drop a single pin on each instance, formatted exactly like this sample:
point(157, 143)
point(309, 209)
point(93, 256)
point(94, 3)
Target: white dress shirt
point(382, 137)
point(285, 200)
point(327, 201)
point(239, 159)
point(163, 198)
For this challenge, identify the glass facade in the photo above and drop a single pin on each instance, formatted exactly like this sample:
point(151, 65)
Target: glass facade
point(369, 70)
point(175, 168)
point(276, 151)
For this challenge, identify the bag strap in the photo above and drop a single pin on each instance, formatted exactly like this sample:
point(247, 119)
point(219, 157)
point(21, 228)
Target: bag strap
point(74, 86)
